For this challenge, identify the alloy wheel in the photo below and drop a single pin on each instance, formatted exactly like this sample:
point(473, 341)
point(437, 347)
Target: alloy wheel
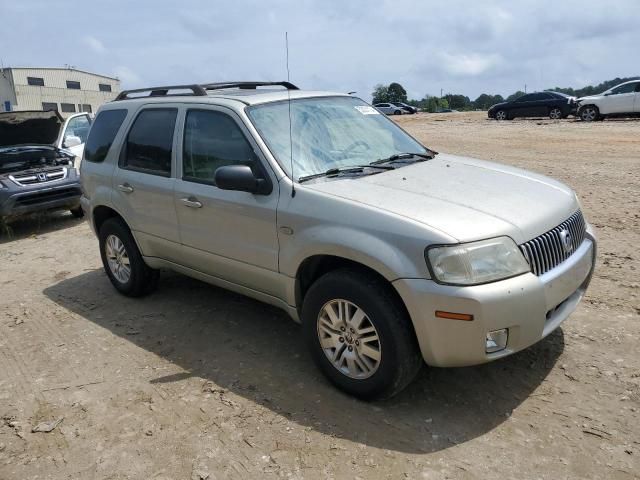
point(349, 339)
point(555, 114)
point(589, 114)
point(501, 115)
point(117, 259)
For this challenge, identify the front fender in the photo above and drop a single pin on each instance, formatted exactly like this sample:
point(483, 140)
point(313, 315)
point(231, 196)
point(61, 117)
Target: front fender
point(388, 260)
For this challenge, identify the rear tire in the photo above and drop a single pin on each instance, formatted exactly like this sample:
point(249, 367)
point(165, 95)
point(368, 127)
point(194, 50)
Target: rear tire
point(589, 113)
point(380, 356)
point(123, 262)
point(397, 112)
point(555, 114)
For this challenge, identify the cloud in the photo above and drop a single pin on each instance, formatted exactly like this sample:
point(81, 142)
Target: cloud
point(461, 46)
point(469, 64)
point(94, 44)
point(128, 76)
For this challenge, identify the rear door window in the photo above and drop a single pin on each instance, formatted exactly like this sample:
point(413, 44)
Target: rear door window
point(102, 133)
point(150, 141)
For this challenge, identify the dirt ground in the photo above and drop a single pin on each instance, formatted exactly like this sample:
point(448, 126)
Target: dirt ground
point(194, 382)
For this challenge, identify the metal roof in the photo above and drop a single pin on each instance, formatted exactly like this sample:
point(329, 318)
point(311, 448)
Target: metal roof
point(62, 68)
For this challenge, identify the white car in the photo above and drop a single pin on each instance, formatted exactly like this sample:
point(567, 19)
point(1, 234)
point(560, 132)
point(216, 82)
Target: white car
point(389, 109)
point(621, 100)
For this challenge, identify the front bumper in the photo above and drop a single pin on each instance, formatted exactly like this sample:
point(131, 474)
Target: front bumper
point(531, 307)
point(16, 200)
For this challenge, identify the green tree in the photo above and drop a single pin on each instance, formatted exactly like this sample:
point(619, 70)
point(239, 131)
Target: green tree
point(443, 103)
point(396, 93)
point(515, 96)
point(484, 101)
point(457, 102)
point(430, 103)
point(380, 94)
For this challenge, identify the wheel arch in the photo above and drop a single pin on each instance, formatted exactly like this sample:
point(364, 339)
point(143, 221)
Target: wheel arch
point(101, 214)
point(315, 266)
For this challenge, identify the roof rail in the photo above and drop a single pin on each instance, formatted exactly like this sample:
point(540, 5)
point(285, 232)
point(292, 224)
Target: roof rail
point(197, 90)
point(248, 85)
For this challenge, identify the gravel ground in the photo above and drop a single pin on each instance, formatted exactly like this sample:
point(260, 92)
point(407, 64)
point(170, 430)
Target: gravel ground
point(194, 382)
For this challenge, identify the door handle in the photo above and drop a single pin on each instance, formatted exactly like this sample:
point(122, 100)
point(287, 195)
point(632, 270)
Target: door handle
point(125, 187)
point(191, 202)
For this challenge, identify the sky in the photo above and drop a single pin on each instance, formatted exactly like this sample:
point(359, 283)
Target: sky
point(468, 47)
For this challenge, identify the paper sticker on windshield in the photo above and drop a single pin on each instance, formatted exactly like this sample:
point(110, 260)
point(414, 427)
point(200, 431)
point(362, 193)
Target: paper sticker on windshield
point(366, 110)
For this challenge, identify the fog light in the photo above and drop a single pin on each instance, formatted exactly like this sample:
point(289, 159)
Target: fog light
point(496, 340)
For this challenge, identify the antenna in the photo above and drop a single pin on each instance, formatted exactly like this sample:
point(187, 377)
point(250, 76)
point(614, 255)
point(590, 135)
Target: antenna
point(293, 178)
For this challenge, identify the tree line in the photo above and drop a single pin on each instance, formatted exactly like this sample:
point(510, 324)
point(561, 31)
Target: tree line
point(394, 92)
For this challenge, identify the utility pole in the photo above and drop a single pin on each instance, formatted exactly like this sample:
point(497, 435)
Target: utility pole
point(525, 88)
point(441, 93)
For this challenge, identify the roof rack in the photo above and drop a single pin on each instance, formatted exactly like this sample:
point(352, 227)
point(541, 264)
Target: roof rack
point(248, 85)
point(196, 90)
point(199, 90)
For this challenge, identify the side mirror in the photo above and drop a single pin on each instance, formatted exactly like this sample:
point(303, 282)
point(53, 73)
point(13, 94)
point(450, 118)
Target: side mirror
point(71, 141)
point(240, 178)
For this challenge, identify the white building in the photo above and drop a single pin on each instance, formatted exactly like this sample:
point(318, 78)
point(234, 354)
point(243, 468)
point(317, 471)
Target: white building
point(64, 89)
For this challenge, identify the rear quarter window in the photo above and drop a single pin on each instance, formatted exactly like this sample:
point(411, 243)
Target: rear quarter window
point(102, 133)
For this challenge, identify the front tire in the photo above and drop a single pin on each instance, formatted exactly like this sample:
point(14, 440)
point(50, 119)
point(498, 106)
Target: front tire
point(589, 113)
point(501, 115)
point(360, 335)
point(77, 212)
point(123, 262)
point(397, 112)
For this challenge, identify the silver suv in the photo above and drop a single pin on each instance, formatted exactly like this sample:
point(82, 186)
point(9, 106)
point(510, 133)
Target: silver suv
point(388, 254)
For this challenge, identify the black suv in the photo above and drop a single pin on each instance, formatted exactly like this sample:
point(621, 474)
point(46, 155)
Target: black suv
point(554, 105)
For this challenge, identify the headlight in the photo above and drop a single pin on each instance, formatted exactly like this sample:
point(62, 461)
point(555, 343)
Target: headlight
point(476, 262)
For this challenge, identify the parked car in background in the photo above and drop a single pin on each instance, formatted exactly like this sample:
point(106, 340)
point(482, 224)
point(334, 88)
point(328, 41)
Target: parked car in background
point(621, 100)
point(554, 105)
point(38, 151)
point(445, 110)
point(389, 109)
point(389, 254)
point(407, 108)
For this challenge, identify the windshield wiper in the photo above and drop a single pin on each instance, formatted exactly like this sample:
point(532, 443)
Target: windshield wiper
point(337, 171)
point(421, 157)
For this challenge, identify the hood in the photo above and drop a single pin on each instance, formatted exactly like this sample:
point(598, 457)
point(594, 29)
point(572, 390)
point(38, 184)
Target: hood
point(466, 198)
point(31, 127)
point(589, 98)
point(498, 105)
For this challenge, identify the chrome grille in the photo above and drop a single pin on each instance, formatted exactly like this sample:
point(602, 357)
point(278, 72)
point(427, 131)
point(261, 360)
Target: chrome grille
point(40, 177)
point(553, 247)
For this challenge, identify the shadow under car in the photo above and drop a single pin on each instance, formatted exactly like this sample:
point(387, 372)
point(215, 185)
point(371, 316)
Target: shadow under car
point(257, 352)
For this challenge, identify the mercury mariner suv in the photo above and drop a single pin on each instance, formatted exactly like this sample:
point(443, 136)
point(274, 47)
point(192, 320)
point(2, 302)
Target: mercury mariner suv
point(388, 254)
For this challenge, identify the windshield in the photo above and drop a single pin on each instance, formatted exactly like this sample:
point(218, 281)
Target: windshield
point(328, 132)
